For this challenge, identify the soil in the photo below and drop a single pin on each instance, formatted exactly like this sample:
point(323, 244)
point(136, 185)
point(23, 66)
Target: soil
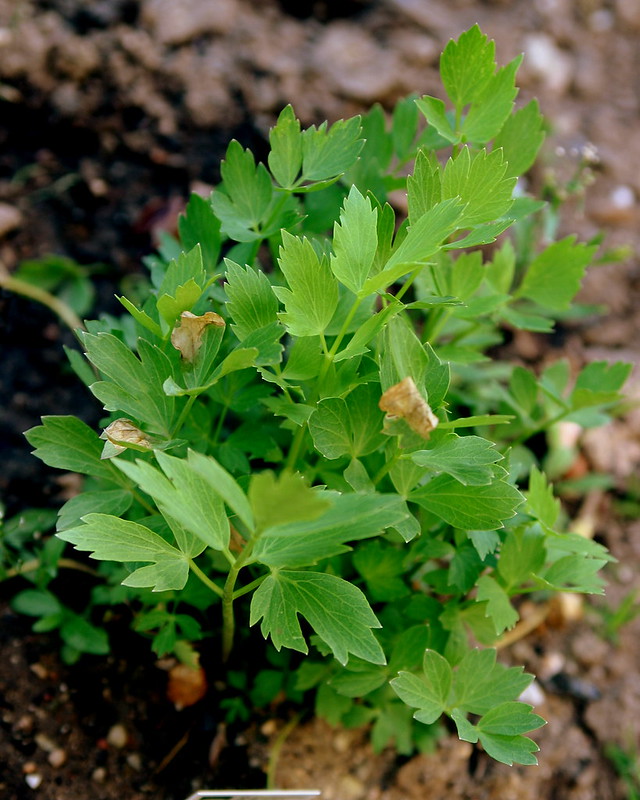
point(111, 112)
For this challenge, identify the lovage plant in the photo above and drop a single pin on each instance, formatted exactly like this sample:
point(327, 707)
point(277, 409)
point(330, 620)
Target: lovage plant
point(310, 427)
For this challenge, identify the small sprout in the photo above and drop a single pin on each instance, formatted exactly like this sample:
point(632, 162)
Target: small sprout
point(120, 435)
point(405, 401)
point(187, 337)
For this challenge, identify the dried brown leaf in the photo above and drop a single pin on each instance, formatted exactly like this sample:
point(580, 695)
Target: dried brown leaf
point(403, 400)
point(187, 336)
point(123, 430)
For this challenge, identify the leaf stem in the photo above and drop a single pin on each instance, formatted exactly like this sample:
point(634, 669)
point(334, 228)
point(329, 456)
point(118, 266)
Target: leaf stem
point(61, 309)
point(183, 415)
point(228, 618)
point(249, 587)
point(274, 756)
point(205, 578)
point(34, 564)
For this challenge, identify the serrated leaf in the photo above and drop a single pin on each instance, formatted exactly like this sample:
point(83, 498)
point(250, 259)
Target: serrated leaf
point(184, 492)
point(434, 111)
point(108, 538)
point(467, 65)
point(469, 459)
point(348, 427)
point(355, 241)
point(247, 185)
point(358, 679)
point(541, 502)
point(429, 694)
point(285, 158)
point(575, 573)
point(522, 554)
point(382, 568)
point(336, 610)
point(67, 443)
point(510, 749)
point(499, 608)
point(367, 332)
point(520, 138)
point(480, 683)
point(198, 225)
point(480, 182)
point(352, 517)
point(469, 507)
point(326, 154)
point(108, 501)
point(312, 296)
point(492, 105)
point(423, 239)
point(553, 278)
point(523, 387)
point(424, 187)
point(280, 499)
point(252, 304)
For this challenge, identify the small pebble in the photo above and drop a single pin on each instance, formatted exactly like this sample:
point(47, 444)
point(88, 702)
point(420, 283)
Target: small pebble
point(99, 775)
point(33, 780)
point(29, 767)
point(117, 736)
point(134, 760)
point(57, 757)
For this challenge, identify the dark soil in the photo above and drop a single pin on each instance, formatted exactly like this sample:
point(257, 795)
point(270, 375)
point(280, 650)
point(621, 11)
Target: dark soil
point(112, 111)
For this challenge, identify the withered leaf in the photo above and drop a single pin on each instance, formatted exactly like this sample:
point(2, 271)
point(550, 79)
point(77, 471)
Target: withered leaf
point(405, 401)
point(187, 336)
point(120, 433)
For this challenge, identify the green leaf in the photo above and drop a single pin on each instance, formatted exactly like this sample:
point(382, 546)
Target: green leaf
point(499, 608)
point(186, 493)
point(422, 241)
point(36, 603)
point(480, 182)
point(67, 443)
point(382, 568)
point(252, 303)
point(599, 383)
point(480, 683)
point(469, 459)
point(523, 387)
point(280, 499)
point(198, 225)
point(575, 573)
point(358, 679)
point(336, 610)
point(469, 507)
point(541, 502)
point(110, 501)
point(466, 66)
point(521, 138)
point(355, 241)
point(285, 158)
point(111, 539)
point(493, 105)
point(326, 154)
point(429, 694)
point(349, 427)
point(248, 188)
point(367, 332)
point(553, 277)
point(434, 111)
point(312, 298)
point(424, 187)
point(522, 554)
point(84, 637)
point(510, 749)
point(350, 518)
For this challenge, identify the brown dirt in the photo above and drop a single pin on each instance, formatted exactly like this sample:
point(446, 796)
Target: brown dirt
point(111, 111)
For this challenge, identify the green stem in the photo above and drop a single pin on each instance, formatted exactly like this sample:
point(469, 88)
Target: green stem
point(183, 415)
point(228, 618)
point(62, 310)
point(274, 756)
point(386, 467)
point(538, 428)
point(296, 445)
point(205, 578)
point(249, 587)
point(403, 289)
point(221, 419)
point(33, 565)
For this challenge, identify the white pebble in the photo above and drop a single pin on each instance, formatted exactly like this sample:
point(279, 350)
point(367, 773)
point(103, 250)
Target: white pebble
point(34, 780)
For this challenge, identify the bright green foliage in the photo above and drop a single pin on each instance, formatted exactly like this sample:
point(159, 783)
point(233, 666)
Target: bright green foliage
point(263, 479)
